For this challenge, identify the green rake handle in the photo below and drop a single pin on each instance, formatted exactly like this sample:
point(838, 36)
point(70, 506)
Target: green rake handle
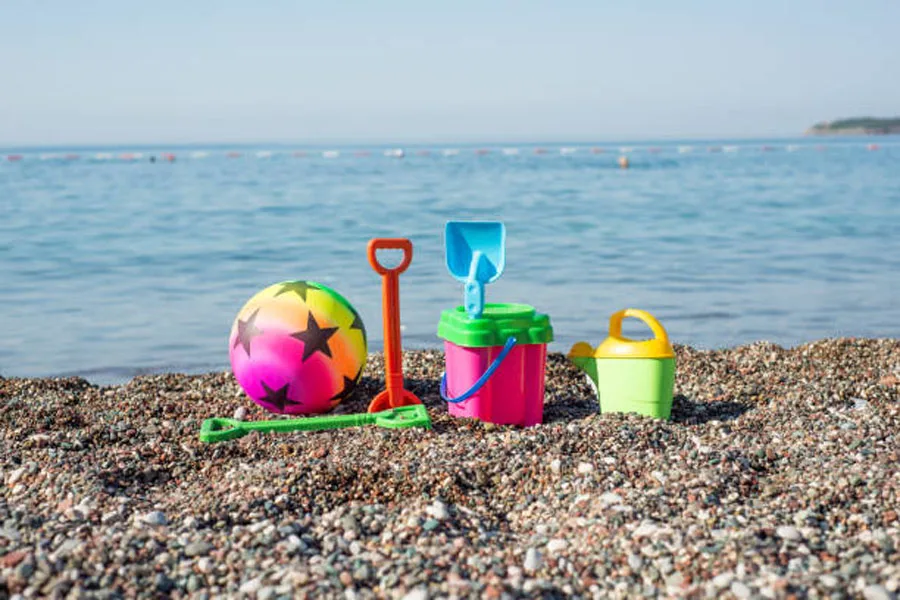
point(223, 429)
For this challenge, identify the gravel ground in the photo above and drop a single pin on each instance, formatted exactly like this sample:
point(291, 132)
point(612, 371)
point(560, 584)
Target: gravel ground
point(777, 477)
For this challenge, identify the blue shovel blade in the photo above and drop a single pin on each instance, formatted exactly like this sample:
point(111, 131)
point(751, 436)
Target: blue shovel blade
point(464, 238)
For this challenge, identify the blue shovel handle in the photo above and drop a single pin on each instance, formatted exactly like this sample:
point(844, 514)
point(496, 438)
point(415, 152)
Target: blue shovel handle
point(474, 291)
point(507, 347)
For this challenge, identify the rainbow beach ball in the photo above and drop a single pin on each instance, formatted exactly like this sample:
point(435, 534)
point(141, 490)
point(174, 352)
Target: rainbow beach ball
point(298, 347)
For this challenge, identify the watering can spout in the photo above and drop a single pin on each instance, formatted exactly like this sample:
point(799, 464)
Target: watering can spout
point(582, 356)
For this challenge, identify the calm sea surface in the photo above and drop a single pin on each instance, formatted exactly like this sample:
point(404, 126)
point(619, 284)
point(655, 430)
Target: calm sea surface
point(113, 267)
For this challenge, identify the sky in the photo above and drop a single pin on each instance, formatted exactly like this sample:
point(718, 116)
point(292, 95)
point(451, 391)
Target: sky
point(224, 71)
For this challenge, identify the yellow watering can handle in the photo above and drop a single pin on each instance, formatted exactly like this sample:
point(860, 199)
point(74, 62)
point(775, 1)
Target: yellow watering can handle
point(618, 346)
point(615, 324)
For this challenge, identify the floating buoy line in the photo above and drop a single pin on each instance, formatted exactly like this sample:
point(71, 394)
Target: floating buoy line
point(510, 152)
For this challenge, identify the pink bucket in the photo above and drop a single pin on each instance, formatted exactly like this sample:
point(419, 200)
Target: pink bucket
point(496, 363)
point(513, 395)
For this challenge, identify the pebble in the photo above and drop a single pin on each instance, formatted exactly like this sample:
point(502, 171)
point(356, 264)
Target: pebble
point(789, 533)
point(417, 594)
point(349, 523)
point(585, 468)
point(294, 543)
point(556, 545)
point(240, 413)
point(610, 498)
point(25, 570)
point(197, 549)
point(877, 592)
point(533, 560)
point(251, 586)
point(163, 583)
point(362, 573)
point(154, 518)
point(645, 530)
point(675, 580)
point(740, 590)
point(205, 565)
point(723, 580)
point(15, 476)
point(439, 510)
point(67, 548)
point(265, 593)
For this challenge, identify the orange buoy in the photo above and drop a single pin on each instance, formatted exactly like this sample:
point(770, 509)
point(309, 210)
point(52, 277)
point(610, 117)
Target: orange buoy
point(623, 162)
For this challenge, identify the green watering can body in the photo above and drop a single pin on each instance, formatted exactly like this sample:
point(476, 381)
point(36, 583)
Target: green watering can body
point(630, 375)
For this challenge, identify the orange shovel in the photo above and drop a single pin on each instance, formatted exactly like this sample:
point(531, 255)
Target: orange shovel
point(395, 395)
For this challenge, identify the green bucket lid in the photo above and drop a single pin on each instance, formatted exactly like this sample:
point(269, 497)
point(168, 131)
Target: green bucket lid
point(498, 323)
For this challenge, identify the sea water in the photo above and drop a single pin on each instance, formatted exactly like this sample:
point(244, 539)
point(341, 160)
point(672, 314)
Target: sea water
point(111, 267)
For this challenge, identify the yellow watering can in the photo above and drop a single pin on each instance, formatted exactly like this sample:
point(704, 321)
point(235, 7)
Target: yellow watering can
point(630, 375)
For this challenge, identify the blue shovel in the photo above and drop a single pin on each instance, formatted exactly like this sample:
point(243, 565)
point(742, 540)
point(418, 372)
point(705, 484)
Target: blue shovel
point(476, 255)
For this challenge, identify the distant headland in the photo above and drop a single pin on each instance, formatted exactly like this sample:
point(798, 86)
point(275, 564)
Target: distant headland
point(856, 126)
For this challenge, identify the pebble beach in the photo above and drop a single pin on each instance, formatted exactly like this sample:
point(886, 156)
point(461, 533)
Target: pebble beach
point(777, 477)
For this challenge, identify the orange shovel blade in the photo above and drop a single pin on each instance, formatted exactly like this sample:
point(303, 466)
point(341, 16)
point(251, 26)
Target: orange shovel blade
point(383, 400)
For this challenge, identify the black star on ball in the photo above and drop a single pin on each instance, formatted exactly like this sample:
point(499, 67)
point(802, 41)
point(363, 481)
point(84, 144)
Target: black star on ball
point(358, 324)
point(301, 288)
point(247, 330)
point(277, 397)
point(347, 391)
point(315, 338)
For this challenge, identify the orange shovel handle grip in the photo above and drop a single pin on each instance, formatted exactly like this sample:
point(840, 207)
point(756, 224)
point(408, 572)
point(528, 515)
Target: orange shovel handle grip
point(389, 244)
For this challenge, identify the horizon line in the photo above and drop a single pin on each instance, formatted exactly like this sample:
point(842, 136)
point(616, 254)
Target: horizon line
point(343, 142)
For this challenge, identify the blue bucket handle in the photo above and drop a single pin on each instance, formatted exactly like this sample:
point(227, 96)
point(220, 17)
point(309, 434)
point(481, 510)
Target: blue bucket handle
point(507, 347)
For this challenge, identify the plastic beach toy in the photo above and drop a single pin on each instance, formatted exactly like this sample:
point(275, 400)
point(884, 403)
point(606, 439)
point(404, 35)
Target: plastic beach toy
point(495, 364)
point(496, 353)
point(297, 347)
point(630, 375)
point(395, 395)
point(476, 255)
point(220, 430)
